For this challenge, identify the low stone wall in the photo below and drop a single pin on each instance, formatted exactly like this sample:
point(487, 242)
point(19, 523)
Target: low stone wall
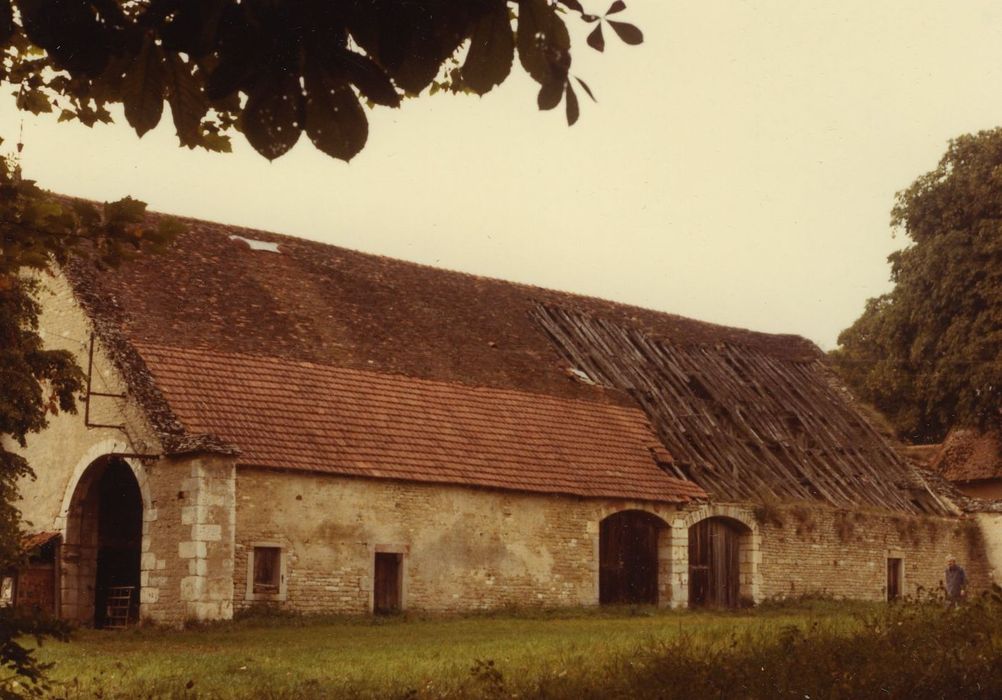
point(468, 549)
point(463, 548)
point(808, 549)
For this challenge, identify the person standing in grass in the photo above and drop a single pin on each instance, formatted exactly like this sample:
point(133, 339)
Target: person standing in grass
point(956, 582)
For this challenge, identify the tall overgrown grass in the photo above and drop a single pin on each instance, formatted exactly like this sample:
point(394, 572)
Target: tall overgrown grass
point(914, 649)
point(805, 649)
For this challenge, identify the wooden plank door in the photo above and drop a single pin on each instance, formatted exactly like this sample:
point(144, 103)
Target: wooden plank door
point(894, 578)
point(714, 564)
point(387, 583)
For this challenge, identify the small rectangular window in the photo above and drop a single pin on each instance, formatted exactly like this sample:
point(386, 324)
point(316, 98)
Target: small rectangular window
point(267, 570)
point(266, 564)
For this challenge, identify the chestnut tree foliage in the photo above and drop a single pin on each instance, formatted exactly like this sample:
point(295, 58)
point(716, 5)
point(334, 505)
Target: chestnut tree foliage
point(273, 69)
point(929, 353)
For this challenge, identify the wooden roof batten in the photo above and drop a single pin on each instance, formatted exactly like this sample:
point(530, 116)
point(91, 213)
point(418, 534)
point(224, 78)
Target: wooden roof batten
point(741, 422)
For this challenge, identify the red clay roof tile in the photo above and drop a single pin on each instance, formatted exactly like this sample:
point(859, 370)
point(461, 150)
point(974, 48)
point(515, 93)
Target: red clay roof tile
point(283, 413)
point(970, 455)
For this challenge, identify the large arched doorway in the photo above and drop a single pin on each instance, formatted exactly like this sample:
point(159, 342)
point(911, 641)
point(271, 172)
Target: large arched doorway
point(628, 558)
point(715, 546)
point(103, 547)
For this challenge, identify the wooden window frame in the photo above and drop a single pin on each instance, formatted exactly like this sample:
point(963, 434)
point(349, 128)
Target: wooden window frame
point(282, 572)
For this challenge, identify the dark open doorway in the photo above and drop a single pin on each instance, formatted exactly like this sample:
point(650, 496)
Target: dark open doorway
point(120, 535)
point(103, 546)
point(715, 563)
point(895, 576)
point(628, 558)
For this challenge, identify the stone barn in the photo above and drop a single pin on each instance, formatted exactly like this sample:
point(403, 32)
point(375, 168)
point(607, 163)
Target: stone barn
point(270, 421)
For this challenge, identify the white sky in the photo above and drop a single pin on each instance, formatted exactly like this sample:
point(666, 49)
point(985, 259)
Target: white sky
point(739, 168)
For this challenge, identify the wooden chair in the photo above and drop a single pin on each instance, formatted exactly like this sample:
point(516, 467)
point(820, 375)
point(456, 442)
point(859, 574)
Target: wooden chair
point(119, 607)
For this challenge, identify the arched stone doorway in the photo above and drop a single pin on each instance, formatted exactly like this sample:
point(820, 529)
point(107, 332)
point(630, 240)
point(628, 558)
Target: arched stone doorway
point(103, 541)
point(719, 549)
point(629, 561)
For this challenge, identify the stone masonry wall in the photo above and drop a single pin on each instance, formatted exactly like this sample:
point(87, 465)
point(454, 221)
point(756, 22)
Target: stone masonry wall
point(186, 568)
point(467, 548)
point(807, 550)
point(60, 455)
point(463, 548)
point(187, 562)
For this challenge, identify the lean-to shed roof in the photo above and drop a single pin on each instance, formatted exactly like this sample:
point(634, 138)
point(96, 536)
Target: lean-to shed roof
point(289, 414)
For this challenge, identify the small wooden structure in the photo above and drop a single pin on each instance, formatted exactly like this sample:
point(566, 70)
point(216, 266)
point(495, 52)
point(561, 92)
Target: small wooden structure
point(35, 586)
point(118, 607)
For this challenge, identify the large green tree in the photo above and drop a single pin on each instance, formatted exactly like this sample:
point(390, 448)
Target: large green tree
point(273, 69)
point(929, 353)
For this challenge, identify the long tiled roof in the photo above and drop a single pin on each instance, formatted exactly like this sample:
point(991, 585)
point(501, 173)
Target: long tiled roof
point(329, 305)
point(746, 415)
point(297, 415)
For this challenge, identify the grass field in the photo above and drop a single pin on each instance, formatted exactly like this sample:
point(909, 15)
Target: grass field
point(433, 657)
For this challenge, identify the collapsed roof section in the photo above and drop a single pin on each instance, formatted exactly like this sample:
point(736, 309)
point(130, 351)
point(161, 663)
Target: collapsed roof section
point(741, 422)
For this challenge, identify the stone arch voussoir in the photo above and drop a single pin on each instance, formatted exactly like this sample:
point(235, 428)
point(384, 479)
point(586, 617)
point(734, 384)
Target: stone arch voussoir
point(77, 570)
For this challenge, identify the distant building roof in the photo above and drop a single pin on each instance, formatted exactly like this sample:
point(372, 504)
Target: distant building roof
point(970, 455)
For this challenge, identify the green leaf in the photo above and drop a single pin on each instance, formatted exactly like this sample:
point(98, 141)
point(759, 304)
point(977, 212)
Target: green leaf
point(188, 103)
point(573, 4)
point(370, 79)
point(33, 100)
point(143, 88)
point(595, 38)
point(6, 22)
point(573, 110)
point(492, 50)
point(335, 121)
point(213, 141)
point(543, 42)
point(272, 118)
point(550, 94)
point(627, 32)
point(587, 89)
